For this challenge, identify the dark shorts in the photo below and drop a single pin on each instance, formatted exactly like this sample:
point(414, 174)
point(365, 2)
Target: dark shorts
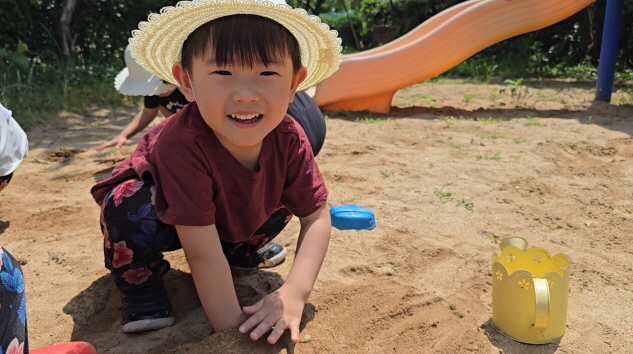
point(306, 112)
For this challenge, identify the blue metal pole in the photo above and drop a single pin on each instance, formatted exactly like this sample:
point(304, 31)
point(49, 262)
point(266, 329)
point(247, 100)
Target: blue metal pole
point(609, 49)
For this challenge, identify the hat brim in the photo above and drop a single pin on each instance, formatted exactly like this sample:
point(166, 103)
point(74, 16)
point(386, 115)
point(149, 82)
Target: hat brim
point(155, 86)
point(157, 44)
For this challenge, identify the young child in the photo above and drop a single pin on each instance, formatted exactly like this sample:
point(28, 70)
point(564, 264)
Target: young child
point(222, 177)
point(14, 146)
point(160, 96)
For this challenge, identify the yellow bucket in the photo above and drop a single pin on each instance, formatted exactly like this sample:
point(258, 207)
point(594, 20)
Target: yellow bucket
point(529, 292)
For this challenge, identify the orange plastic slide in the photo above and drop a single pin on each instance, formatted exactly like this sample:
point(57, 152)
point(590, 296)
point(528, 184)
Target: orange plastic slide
point(368, 80)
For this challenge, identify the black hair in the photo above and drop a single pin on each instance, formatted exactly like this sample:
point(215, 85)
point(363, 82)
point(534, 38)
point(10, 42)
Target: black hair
point(242, 40)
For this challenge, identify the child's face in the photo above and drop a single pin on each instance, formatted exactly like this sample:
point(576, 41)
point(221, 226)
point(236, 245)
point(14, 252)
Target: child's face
point(241, 104)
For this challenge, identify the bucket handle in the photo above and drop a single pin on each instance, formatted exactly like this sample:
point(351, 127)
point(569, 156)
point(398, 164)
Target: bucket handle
point(541, 316)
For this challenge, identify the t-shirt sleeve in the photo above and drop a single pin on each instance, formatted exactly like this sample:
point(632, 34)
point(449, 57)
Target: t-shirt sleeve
point(184, 186)
point(304, 190)
point(151, 101)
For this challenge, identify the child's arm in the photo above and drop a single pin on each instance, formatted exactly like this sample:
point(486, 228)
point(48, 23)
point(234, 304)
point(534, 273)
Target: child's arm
point(211, 274)
point(283, 308)
point(140, 121)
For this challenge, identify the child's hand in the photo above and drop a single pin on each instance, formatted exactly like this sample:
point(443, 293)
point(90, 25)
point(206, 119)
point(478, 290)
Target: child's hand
point(279, 311)
point(116, 142)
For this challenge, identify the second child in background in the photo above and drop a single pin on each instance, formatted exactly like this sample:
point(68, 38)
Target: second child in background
point(160, 96)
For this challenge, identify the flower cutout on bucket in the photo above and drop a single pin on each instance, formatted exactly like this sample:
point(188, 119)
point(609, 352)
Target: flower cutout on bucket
point(524, 284)
point(499, 275)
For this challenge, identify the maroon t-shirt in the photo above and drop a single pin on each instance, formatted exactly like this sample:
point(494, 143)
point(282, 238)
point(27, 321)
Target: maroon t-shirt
point(198, 182)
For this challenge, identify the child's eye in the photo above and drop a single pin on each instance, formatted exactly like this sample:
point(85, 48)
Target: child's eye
point(268, 73)
point(222, 72)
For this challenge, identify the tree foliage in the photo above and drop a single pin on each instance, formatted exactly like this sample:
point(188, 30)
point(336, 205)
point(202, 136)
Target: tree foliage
point(100, 29)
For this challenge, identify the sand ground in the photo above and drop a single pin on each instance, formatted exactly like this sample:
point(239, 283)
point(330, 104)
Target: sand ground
point(553, 167)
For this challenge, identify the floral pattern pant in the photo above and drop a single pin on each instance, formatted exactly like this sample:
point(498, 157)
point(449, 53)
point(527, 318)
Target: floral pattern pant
point(135, 239)
point(4, 181)
point(13, 333)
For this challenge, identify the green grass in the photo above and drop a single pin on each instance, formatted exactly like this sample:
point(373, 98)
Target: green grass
point(444, 197)
point(531, 122)
point(491, 120)
point(493, 136)
point(373, 120)
point(469, 98)
point(496, 156)
point(36, 92)
point(425, 99)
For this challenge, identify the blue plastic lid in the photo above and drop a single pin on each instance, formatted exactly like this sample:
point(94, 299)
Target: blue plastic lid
point(352, 217)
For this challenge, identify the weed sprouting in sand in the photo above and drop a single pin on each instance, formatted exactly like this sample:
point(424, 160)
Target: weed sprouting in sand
point(517, 90)
point(469, 98)
point(491, 119)
point(532, 122)
point(445, 197)
point(467, 205)
point(492, 137)
point(447, 120)
point(496, 156)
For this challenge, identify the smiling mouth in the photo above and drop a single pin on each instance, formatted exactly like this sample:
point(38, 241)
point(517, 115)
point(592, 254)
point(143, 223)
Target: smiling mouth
point(245, 118)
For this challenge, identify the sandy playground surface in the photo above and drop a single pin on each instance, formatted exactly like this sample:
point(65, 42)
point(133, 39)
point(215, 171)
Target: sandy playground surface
point(556, 171)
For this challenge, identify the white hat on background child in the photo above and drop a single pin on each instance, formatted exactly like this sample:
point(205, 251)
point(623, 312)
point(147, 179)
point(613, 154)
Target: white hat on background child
point(157, 44)
point(133, 80)
point(14, 144)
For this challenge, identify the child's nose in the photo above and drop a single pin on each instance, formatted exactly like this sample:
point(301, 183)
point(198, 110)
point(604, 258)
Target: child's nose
point(245, 94)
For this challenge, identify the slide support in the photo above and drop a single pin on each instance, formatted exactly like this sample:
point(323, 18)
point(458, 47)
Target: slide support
point(609, 49)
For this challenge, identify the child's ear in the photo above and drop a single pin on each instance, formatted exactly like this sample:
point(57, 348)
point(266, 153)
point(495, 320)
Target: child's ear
point(184, 83)
point(297, 80)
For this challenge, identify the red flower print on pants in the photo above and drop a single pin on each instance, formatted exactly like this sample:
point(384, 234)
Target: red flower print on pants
point(137, 276)
point(288, 218)
point(125, 189)
point(122, 255)
point(15, 347)
point(3, 184)
point(106, 238)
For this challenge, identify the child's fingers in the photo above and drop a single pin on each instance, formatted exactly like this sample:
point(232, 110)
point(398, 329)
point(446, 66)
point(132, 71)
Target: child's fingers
point(249, 310)
point(252, 322)
point(294, 332)
point(266, 325)
point(279, 329)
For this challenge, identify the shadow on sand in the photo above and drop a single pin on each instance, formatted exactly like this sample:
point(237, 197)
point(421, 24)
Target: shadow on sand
point(612, 117)
point(511, 346)
point(96, 315)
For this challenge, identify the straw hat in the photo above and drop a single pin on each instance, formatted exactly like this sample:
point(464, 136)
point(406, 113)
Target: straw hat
point(133, 80)
point(157, 44)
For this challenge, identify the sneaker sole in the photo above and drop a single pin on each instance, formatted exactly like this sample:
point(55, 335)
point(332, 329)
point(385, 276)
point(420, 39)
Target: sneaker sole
point(278, 258)
point(147, 325)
